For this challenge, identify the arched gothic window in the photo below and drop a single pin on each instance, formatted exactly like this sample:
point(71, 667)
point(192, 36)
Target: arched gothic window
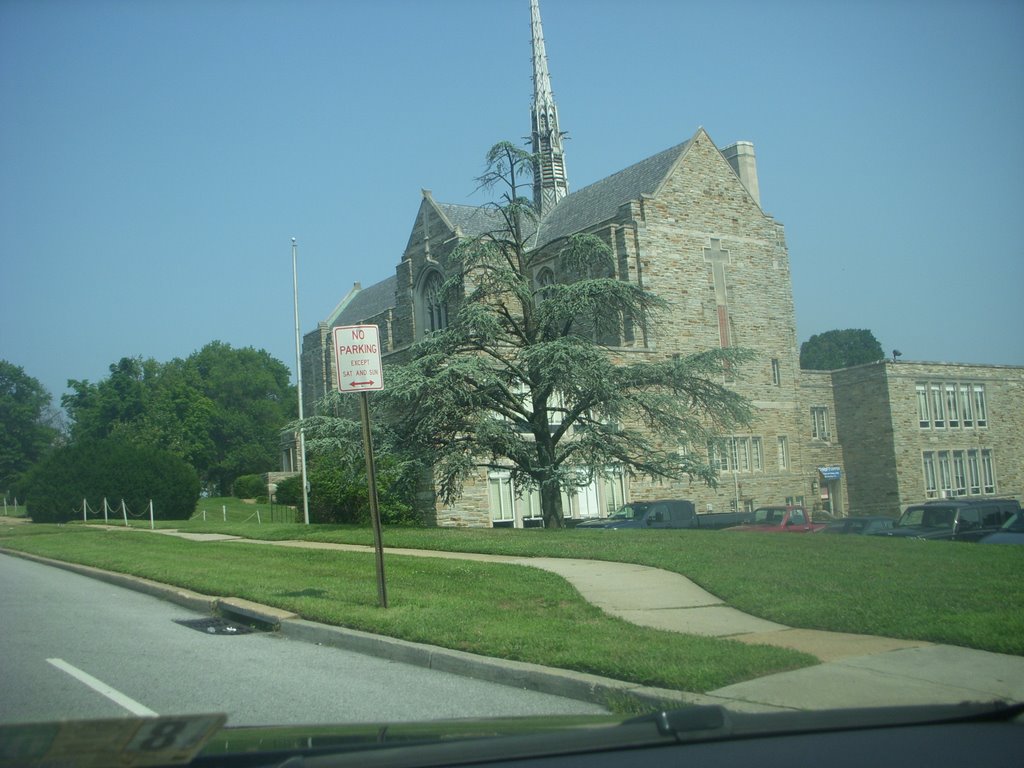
point(435, 309)
point(545, 279)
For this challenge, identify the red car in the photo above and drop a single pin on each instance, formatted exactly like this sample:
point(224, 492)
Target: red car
point(780, 520)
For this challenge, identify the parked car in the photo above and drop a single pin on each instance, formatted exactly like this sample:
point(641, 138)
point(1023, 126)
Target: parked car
point(953, 519)
point(780, 519)
point(1012, 532)
point(670, 513)
point(863, 526)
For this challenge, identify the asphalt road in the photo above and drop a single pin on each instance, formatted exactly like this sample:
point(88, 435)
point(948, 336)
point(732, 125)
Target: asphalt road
point(72, 647)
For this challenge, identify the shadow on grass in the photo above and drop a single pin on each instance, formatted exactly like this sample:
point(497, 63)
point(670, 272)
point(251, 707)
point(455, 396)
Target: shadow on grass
point(304, 593)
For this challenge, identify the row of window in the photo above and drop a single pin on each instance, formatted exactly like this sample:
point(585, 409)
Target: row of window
point(598, 499)
point(958, 473)
point(951, 405)
point(745, 454)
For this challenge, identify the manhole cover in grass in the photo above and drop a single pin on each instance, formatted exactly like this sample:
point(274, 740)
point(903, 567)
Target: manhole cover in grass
point(215, 626)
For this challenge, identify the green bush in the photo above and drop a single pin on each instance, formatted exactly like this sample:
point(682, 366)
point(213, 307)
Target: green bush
point(289, 490)
point(339, 494)
point(249, 487)
point(114, 470)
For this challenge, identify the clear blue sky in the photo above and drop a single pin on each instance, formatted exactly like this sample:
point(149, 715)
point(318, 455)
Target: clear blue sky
point(157, 157)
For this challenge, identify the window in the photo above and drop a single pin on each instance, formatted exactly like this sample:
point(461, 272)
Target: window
point(922, 406)
point(959, 474)
point(991, 517)
point(974, 471)
point(545, 279)
point(931, 488)
point(434, 307)
point(613, 485)
point(968, 472)
point(819, 423)
point(987, 471)
point(980, 411)
point(783, 452)
point(715, 457)
point(952, 411)
point(953, 405)
point(529, 504)
point(970, 519)
point(966, 407)
point(776, 376)
point(945, 478)
point(500, 496)
point(737, 454)
point(938, 411)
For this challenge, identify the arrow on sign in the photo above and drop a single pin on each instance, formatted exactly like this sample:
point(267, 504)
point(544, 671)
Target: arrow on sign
point(361, 384)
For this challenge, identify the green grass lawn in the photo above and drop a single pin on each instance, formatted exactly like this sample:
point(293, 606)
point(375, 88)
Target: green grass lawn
point(946, 592)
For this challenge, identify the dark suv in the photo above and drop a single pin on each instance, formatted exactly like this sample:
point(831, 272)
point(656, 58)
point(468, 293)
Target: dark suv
point(953, 519)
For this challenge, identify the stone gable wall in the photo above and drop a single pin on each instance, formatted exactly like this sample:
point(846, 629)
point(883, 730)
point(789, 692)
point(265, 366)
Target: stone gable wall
point(704, 200)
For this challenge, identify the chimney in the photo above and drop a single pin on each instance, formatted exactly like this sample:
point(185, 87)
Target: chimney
point(741, 157)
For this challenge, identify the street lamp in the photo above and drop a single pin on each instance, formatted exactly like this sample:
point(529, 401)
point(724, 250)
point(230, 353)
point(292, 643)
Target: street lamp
point(298, 379)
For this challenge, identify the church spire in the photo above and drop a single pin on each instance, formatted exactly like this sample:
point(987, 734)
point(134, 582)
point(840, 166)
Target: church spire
point(549, 180)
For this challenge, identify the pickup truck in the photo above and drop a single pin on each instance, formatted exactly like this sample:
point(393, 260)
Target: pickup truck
point(953, 519)
point(780, 519)
point(671, 513)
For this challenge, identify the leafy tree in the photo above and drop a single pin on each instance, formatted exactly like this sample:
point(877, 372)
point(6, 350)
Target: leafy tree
point(27, 422)
point(252, 400)
point(115, 470)
point(839, 349)
point(519, 380)
point(221, 409)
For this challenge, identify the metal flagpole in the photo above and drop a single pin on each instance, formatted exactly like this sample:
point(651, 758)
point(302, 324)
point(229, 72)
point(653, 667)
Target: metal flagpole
point(298, 378)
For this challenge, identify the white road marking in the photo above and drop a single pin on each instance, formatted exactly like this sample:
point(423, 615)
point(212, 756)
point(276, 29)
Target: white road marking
point(100, 687)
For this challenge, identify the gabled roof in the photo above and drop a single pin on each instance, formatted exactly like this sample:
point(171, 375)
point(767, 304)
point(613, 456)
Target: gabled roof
point(368, 302)
point(472, 220)
point(576, 212)
point(601, 200)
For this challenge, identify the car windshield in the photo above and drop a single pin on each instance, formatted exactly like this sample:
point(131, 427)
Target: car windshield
point(928, 517)
point(381, 362)
point(630, 512)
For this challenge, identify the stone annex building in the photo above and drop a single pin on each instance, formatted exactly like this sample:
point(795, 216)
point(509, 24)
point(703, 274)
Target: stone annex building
point(687, 225)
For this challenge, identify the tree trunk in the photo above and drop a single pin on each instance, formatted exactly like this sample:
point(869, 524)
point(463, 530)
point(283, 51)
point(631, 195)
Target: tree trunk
point(551, 504)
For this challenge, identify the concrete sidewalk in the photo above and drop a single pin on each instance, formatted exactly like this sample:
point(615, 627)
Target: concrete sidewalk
point(856, 670)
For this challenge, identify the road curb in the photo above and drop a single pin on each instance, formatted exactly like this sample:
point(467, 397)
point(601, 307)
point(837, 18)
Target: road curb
point(558, 682)
point(184, 597)
point(580, 686)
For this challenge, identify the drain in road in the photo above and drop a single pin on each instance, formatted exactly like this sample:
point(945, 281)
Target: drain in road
point(215, 626)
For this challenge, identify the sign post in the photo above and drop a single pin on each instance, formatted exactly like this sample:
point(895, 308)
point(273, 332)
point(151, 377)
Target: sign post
point(358, 366)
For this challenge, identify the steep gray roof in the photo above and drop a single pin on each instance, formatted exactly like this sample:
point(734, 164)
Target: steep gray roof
point(578, 211)
point(369, 302)
point(602, 199)
point(472, 220)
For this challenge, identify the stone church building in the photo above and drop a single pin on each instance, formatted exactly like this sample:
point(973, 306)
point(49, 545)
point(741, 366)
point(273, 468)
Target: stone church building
point(687, 225)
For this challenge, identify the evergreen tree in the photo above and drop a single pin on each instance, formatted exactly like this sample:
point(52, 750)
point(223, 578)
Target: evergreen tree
point(519, 378)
